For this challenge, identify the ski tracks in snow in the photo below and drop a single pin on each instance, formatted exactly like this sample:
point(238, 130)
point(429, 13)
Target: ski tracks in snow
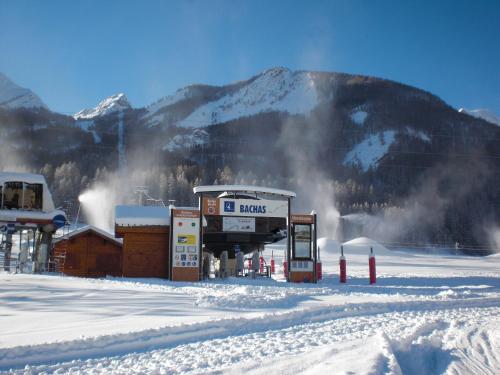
point(393, 337)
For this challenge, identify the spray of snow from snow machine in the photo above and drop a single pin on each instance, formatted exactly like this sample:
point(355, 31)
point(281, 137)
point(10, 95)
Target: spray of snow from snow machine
point(98, 202)
point(122, 159)
point(315, 190)
point(494, 234)
point(98, 205)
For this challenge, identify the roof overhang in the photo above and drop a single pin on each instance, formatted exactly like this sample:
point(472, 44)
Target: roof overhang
point(142, 216)
point(243, 189)
point(89, 229)
point(28, 178)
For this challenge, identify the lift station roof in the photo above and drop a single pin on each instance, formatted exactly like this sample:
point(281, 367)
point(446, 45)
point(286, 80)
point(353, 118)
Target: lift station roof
point(243, 189)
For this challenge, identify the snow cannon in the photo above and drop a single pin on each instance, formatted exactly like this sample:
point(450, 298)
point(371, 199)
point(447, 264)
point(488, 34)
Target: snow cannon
point(343, 266)
point(372, 267)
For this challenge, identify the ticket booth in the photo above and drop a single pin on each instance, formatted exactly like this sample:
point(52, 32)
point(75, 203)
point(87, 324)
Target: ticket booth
point(302, 252)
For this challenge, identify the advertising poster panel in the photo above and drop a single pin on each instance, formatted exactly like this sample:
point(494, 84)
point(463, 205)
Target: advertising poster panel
point(185, 244)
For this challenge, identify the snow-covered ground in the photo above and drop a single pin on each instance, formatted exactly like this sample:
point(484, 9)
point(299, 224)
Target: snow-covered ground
point(426, 314)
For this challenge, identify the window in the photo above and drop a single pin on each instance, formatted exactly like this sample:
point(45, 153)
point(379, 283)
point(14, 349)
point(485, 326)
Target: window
point(19, 195)
point(12, 195)
point(33, 197)
point(302, 241)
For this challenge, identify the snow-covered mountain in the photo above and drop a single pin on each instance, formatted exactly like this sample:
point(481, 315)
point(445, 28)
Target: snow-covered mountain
point(13, 96)
point(109, 105)
point(360, 131)
point(275, 90)
point(484, 114)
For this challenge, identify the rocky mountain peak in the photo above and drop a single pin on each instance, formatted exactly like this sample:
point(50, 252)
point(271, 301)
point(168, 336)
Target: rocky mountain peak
point(111, 104)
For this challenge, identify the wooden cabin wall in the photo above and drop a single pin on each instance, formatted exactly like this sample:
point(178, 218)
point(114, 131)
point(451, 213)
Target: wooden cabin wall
point(90, 255)
point(146, 252)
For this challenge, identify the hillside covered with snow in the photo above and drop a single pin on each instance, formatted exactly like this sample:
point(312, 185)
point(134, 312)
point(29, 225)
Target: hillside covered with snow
point(14, 96)
point(484, 114)
point(275, 90)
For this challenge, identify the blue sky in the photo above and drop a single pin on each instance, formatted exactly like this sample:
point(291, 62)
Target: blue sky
point(75, 53)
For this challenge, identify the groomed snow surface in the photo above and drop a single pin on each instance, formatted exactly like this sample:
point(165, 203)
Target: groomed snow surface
point(427, 314)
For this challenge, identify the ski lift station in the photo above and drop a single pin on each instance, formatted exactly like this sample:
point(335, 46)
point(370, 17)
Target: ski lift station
point(231, 225)
point(26, 208)
point(225, 235)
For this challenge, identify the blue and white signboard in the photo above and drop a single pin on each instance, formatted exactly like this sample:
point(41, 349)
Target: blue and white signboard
point(59, 221)
point(253, 207)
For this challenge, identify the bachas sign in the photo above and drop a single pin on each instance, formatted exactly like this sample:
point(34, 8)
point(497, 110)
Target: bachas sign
point(245, 207)
point(253, 207)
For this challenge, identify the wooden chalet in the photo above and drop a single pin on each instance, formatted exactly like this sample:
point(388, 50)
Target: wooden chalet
point(145, 232)
point(88, 252)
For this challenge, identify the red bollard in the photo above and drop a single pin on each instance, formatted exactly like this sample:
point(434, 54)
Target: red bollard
point(285, 269)
point(262, 264)
point(343, 269)
point(371, 265)
point(273, 267)
point(343, 266)
point(319, 271)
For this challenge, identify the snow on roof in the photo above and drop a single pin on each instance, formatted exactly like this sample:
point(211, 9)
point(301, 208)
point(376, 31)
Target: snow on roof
point(89, 228)
point(242, 188)
point(21, 177)
point(141, 215)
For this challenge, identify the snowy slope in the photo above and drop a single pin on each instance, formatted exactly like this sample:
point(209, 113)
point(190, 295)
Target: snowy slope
point(14, 96)
point(277, 89)
point(426, 314)
point(367, 153)
point(109, 105)
point(198, 137)
point(484, 114)
point(154, 111)
point(359, 116)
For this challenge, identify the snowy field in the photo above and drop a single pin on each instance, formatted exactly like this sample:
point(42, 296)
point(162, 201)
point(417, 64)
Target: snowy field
point(427, 314)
